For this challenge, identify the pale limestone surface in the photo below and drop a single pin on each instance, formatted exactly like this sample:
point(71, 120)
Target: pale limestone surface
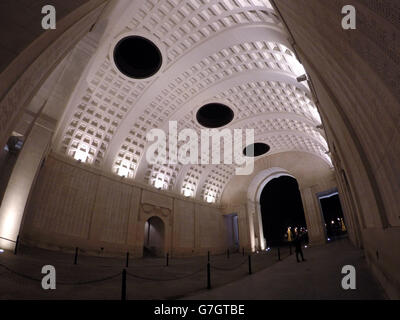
point(236, 52)
point(354, 74)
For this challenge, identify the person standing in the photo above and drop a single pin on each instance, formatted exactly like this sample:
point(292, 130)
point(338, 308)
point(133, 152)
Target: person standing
point(289, 234)
point(297, 243)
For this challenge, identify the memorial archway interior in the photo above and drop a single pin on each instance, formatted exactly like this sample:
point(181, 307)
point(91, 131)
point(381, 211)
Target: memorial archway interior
point(222, 59)
point(281, 208)
point(270, 62)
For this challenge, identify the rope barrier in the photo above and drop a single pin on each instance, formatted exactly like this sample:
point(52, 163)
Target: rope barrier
point(60, 282)
point(19, 273)
point(170, 279)
point(90, 281)
point(127, 273)
point(230, 269)
point(99, 280)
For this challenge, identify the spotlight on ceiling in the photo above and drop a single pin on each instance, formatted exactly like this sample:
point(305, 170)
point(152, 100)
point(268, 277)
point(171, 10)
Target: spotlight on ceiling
point(137, 57)
point(256, 149)
point(214, 115)
point(158, 184)
point(123, 172)
point(210, 199)
point(187, 192)
point(81, 155)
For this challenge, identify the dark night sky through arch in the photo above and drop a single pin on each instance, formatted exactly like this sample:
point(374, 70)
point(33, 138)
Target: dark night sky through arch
point(281, 206)
point(331, 208)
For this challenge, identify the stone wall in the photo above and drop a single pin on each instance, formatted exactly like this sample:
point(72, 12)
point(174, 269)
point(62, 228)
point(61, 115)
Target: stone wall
point(313, 176)
point(356, 78)
point(29, 54)
point(74, 204)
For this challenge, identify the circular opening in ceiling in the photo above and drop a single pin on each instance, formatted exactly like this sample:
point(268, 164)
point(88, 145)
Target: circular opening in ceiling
point(259, 149)
point(214, 115)
point(137, 57)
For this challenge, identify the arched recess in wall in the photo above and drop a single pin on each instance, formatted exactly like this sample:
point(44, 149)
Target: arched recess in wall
point(253, 204)
point(154, 237)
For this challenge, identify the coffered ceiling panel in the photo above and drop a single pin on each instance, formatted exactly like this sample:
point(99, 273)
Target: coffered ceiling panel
point(232, 52)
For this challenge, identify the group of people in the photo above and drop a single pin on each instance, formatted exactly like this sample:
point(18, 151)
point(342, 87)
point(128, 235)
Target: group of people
point(296, 238)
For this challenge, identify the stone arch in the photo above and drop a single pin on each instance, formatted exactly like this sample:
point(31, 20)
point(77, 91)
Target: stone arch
point(154, 236)
point(253, 204)
point(148, 211)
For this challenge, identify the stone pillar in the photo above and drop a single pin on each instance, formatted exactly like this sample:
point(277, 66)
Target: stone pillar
point(315, 223)
point(251, 223)
point(256, 225)
point(196, 230)
point(349, 211)
point(244, 228)
point(134, 221)
point(21, 181)
point(347, 202)
point(260, 226)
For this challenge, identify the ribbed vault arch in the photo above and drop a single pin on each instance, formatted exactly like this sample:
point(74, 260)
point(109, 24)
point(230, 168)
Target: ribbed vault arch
point(232, 51)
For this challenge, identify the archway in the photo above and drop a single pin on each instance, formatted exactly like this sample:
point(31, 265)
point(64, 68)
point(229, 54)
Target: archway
point(232, 228)
point(253, 204)
point(335, 225)
point(154, 234)
point(281, 208)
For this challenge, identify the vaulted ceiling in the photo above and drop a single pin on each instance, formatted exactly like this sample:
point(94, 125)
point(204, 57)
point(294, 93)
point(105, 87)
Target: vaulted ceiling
point(233, 52)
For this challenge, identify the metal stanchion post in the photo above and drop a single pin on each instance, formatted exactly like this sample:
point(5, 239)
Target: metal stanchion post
point(279, 254)
point(208, 276)
point(76, 255)
point(250, 264)
point(127, 259)
point(123, 291)
point(167, 263)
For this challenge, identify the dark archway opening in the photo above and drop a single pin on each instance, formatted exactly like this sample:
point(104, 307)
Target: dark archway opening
point(214, 115)
point(137, 57)
point(333, 216)
point(154, 238)
point(281, 208)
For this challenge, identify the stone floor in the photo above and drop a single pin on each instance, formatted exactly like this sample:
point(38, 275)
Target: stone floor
point(100, 277)
point(96, 277)
point(319, 277)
